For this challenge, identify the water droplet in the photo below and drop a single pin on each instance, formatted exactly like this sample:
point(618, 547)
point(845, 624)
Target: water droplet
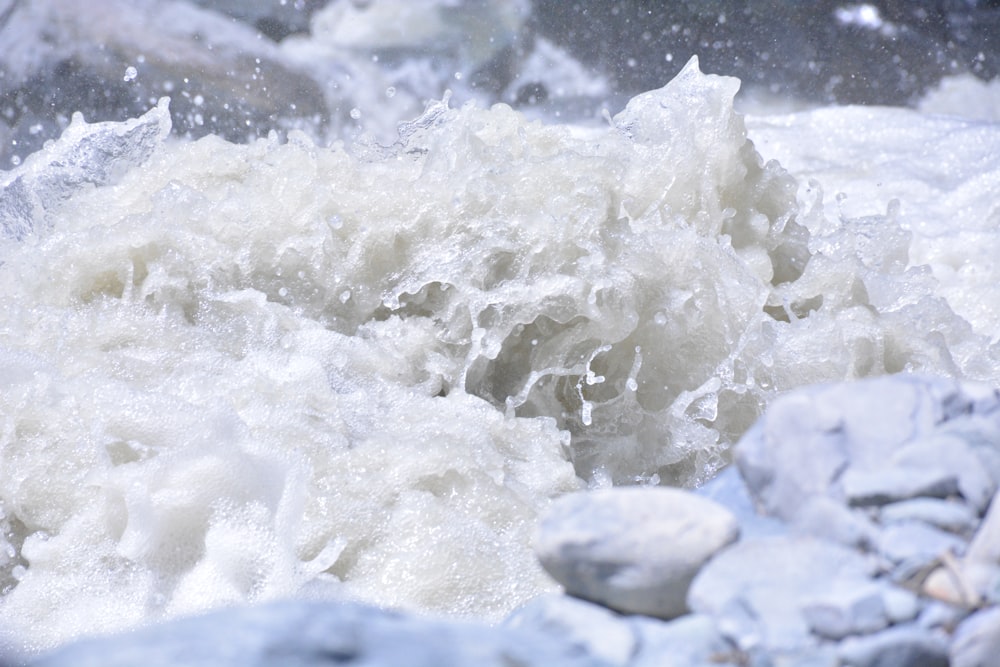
point(390, 91)
point(131, 73)
point(632, 384)
point(345, 296)
point(356, 113)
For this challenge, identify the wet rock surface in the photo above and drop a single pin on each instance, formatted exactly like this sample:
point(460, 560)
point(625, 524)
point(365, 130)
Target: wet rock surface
point(916, 589)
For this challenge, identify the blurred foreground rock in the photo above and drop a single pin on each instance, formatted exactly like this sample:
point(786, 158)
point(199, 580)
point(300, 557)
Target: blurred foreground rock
point(297, 634)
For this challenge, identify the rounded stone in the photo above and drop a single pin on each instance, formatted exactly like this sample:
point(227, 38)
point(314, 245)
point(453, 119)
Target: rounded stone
point(632, 549)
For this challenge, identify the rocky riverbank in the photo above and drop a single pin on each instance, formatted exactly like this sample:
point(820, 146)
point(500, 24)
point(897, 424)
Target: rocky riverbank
point(856, 528)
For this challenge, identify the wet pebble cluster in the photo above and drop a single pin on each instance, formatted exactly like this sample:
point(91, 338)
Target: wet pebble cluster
point(856, 528)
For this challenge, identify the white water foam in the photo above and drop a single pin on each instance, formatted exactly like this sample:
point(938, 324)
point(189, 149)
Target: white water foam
point(240, 372)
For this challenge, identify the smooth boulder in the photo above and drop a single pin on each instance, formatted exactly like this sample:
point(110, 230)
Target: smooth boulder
point(635, 549)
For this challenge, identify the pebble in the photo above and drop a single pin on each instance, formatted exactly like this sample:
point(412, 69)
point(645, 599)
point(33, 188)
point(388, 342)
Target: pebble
point(632, 549)
point(954, 517)
point(917, 541)
point(977, 640)
point(825, 518)
point(880, 486)
point(899, 646)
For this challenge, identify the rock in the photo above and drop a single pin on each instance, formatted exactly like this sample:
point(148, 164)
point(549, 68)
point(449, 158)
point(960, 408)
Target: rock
point(915, 541)
point(940, 616)
point(985, 545)
point(976, 642)
point(900, 604)
point(845, 441)
point(899, 646)
point(684, 642)
point(757, 589)
point(954, 517)
point(856, 610)
point(223, 78)
point(825, 518)
point(729, 490)
point(822, 656)
point(634, 549)
point(859, 609)
point(964, 583)
point(946, 454)
point(595, 629)
point(300, 634)
point(880, 486)
point(806, 438)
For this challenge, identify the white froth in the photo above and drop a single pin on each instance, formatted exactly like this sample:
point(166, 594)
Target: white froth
point(241, 372)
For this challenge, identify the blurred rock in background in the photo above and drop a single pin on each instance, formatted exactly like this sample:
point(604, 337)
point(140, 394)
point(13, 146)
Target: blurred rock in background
point(353, 68)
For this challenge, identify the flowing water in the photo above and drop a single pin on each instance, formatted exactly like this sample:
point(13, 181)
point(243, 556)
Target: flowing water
point(236, 372)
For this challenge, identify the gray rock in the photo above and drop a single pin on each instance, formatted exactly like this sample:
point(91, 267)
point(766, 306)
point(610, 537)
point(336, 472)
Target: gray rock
point(899, 646)
point(825, 518)
point(860, 609)
point(729, 490)
point(954, 517)
point(976, 642)
point(948, 453)
point(901, 605)
point(597, 630)
point(757, 589)
point(941, 616)
point(915, 541)
point(684, 642)
point(985, 545)
point(634, 549)
point(821, 656)
point(299, 634)
point(880, 486)
point(808, 440)
point(852, 610)
point(64, 56)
